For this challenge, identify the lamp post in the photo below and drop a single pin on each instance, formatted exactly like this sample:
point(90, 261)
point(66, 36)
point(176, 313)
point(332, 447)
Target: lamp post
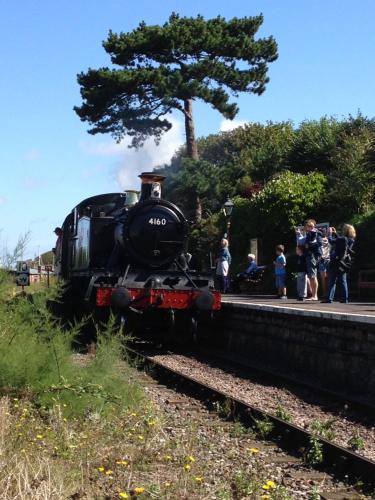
point(227, 209)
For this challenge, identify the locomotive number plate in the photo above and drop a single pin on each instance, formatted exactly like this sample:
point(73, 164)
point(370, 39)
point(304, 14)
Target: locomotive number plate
point(155, 221)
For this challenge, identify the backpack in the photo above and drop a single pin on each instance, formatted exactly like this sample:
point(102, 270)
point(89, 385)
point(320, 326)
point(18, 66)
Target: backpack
point(345, 263)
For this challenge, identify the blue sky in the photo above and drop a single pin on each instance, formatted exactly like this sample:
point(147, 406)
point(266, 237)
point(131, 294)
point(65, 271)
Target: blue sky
point(48, 162)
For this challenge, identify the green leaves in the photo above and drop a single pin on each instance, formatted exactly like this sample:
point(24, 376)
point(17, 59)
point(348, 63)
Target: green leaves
point(164, 66)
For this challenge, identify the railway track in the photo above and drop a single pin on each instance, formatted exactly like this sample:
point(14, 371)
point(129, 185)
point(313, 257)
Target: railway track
point(337, 460)
point(357, 403)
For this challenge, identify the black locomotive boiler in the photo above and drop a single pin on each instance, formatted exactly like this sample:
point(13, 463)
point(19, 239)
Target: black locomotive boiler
point(130, 256)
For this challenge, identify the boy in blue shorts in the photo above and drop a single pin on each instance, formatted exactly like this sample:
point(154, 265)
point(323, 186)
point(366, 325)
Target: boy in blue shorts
point(280, 272)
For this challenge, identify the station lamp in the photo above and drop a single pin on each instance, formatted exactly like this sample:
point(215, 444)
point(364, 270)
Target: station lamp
point(228, 207)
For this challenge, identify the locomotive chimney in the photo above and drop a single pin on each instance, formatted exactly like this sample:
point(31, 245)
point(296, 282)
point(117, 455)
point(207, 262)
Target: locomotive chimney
point(151, 185)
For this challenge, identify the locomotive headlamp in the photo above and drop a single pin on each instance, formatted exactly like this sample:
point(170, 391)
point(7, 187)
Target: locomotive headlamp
point(228, 207)
point(156, 282)
point(151, 185)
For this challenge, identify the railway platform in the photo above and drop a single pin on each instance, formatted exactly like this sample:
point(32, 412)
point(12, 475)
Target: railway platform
point(361, 312)
point(331, 346)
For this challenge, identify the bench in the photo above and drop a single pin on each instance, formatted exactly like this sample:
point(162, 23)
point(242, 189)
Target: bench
point(249, 283)
point(366, 279)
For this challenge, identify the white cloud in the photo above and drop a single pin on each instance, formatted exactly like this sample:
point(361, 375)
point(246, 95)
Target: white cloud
point(134, 161)
point(227, 125)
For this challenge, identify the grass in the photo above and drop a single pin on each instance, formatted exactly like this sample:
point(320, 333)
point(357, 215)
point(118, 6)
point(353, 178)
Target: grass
point(83, 427)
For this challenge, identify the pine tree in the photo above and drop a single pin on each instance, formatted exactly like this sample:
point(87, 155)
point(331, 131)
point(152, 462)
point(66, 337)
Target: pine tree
point(165, 68)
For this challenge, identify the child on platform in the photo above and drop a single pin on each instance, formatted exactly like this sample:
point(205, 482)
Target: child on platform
point(280, 272)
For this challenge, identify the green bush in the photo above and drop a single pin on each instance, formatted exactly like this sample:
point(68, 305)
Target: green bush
point(271, 216)
point(36, 358)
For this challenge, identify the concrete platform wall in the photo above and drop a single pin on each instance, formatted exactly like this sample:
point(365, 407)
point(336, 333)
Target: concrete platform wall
point(333, 352)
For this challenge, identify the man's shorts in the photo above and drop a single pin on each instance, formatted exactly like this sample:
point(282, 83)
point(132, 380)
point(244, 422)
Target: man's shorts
point(311, 266)
point(323, 265)
point(280, 280)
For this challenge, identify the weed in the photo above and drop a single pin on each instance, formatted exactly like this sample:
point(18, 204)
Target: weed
point(224, 494)
point(283, 414)
point(314, 495)
point(223, 409)
point(238, 430)
point(263, 427)
point(314, 455)
point(243, 485)
point(324, 429)
point(356, 442)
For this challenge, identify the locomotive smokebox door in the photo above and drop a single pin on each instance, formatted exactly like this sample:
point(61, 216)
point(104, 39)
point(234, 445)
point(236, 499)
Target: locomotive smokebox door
point(155, 232)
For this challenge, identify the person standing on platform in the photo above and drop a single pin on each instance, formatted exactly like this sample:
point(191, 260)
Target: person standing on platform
point(324, 263)
point(222, 266)
point(341, 262)
point(301, 273)
point(280, 272)
point(313, 248)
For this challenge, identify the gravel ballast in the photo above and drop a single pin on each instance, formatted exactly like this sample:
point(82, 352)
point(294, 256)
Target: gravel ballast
point(305, 408)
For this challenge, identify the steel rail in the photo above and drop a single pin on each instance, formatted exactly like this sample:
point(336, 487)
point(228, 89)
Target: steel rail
point(339, 461)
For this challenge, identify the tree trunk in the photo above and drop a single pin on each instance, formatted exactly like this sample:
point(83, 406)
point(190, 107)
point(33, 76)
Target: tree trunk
point(192, 149)
point(191, 143)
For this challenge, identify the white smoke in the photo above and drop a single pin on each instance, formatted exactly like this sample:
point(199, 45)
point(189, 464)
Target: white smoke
point(132, 161)
point(149, 156)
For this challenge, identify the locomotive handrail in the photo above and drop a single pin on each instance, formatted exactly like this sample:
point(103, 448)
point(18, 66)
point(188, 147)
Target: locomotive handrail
point(185, 273)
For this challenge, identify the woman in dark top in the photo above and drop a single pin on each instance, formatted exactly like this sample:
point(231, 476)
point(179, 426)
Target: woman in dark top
point(340, 263)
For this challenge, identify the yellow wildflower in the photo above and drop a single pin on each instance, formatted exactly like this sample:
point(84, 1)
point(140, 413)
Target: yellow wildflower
point(122, 462)
point(271, 484)
point(139, 490)
point(187, 467)
point(39, 436)
point(109, 472)
point(122, 494)
point(168, 458)
point(167, 484)
point(191, 458)
point(254, 450)
point(141, 438)
point(133, 414)
point(101, 469)
point(265, 497)
point(23, 450)
point(198, 479)
point(266, 487)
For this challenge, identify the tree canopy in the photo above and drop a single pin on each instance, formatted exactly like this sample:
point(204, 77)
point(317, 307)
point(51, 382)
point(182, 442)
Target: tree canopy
point(278, 174)
point(164, 68)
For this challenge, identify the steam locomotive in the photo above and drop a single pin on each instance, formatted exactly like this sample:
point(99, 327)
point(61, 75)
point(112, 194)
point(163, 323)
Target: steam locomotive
point(130, 256)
